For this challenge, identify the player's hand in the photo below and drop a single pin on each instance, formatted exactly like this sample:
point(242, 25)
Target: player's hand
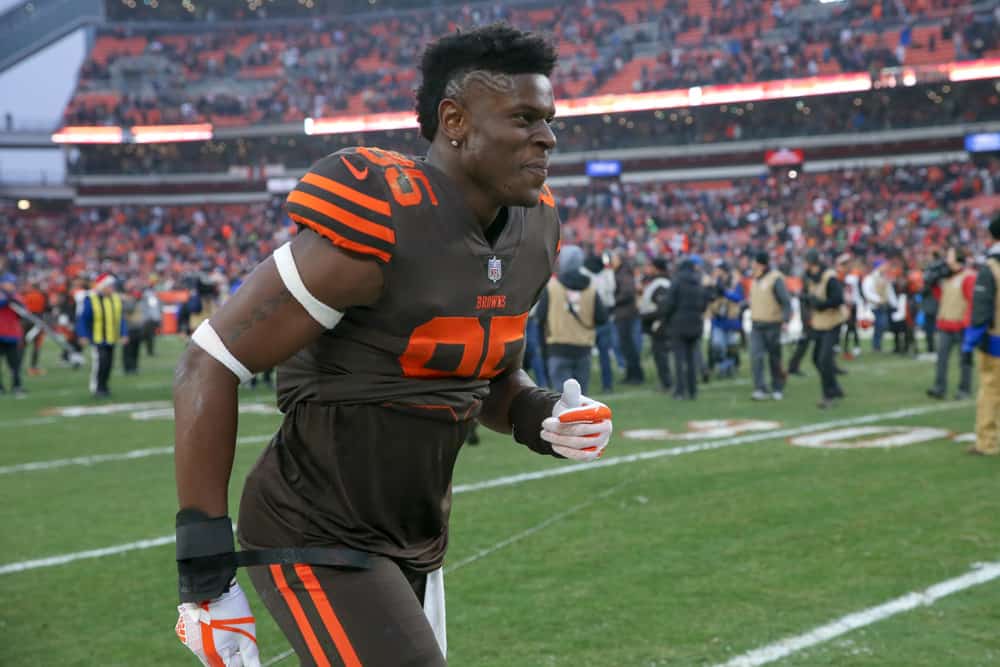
point(579, 427)
point(222, 631)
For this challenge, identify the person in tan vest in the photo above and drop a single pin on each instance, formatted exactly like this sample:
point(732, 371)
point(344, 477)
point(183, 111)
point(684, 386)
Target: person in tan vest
point(570, 312)
point(825, 295)
point(770, 310)
point(954, 314)
point(984, 333)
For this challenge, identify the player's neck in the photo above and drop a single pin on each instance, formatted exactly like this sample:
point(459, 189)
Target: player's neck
point(479, 202)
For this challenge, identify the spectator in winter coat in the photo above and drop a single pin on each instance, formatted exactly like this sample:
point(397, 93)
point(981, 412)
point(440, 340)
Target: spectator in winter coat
point(626, 315)
point(684, 314)
point(652, 308)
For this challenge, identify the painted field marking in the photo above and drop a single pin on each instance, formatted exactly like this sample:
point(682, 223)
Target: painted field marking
point(107, 458)
point(860, 437)
point(278, 658)
point(705, 446)
point(979, 574)
point(512, 480)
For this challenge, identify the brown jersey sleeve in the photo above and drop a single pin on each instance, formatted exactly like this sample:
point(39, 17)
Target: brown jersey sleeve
point(344, 198)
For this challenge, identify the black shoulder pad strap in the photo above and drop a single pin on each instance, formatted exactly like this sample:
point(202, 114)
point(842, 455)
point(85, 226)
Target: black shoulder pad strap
point(343, 557)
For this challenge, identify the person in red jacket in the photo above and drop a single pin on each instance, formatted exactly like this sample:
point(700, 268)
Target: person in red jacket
point(11, 333)
point(954, 293)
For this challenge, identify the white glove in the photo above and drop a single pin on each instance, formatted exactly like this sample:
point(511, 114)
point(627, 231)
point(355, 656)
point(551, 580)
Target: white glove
point(221, 632)
point(579, 427)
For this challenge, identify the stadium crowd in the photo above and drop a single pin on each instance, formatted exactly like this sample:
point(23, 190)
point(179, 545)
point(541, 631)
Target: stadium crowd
point(286, 71)
point(902, 215)
point(969, 102)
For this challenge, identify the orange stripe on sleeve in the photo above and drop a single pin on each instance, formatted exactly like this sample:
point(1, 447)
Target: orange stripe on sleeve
point(326, 612)
point(300, 617)
point(339, 240)
point(350, 194)
point(340, 215)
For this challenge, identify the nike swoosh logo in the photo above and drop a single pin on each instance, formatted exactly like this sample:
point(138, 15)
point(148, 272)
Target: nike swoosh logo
point(360, 175)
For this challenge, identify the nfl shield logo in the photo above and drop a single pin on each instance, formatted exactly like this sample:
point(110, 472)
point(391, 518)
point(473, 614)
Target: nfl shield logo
point(493, 270)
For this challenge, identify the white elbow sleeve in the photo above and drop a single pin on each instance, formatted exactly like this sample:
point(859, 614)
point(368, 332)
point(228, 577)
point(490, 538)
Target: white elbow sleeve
point(207, 339)
point(322, 313)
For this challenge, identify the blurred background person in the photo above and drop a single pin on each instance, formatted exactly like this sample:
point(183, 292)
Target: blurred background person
point(132, 312)
point(571, 312)
point(102, 325)
point(652, 308)
point(11, 334)
point(852, 299)
point(825, 296)
point(726, 309)
point(881, 297)
point(984, 333)
point(770, 311)
point(930, 298)
point(903, 317)
point(626, 317)
point(37, 304)
point(152, 316)
point(806, 335)
point(955, 291)
point(684, 314)
point(598, 267)
point(534, 349)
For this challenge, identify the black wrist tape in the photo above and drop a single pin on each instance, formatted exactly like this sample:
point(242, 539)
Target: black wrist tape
point(527, 411)
point(205, 555)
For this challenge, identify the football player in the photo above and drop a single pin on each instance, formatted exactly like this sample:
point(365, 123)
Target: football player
point(396, 318)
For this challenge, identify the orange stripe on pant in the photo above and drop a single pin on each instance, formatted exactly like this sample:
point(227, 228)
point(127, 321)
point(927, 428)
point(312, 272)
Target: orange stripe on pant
point(300, 617)
point(326, 612)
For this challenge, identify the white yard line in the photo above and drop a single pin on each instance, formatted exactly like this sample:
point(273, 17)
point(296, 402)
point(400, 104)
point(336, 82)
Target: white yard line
point(106, 458)
point(542, 474)
point(980, 574)
point(534, 529)
point(705, 446)
point(278, 658)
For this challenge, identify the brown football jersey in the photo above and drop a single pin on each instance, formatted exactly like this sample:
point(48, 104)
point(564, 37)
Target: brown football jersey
point(453, 311)
point(378, 407)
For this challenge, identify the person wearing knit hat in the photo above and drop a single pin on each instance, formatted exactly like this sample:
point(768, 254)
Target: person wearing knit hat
point(570, 312)
point(824, 293)
point(770, 310)
point(983, 335)
point(101, 324)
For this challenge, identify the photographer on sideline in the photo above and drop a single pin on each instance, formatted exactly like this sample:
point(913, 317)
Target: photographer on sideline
point(955, 290)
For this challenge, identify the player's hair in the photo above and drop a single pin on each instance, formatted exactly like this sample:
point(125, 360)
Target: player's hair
point(959, 254)
point(488, 55)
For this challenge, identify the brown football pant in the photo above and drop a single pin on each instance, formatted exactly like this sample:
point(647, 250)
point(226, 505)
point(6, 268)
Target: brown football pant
point(336, 617)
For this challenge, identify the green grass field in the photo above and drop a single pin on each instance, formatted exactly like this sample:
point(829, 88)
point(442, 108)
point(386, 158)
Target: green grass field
point(691, 557)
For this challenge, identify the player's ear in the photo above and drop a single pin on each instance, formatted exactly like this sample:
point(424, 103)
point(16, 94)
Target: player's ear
point(452, 120)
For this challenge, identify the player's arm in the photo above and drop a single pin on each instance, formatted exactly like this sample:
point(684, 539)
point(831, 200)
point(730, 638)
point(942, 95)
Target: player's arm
point(260, 326)
point(285, 303)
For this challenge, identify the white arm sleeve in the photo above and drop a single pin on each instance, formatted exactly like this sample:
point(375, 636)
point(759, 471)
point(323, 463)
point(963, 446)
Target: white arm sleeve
point(322, 313)
point(207, 339)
